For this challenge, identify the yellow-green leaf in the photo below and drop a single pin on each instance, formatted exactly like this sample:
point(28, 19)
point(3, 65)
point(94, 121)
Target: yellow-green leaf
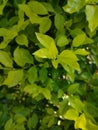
point(71, 114)
point(59, 21)
point(37, 7)
point(45, 25)
point(81, 122)
point(42, 53)
point(22, 40)
point(91, 126)
point(92, 16)
point(50, 50)
point(79, 40)
point(5, 59)
point(81, 52)
point(13, 78)
point(2, 6)
point(68, 58)
point(62, 41)
point(74, 6)
point(22, 56)
point(9, 125)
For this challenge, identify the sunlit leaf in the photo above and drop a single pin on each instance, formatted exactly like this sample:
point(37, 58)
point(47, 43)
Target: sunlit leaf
point(22, 56)
point(5, 59)
point(91, 126)
point(8, 36)
point(2, 6)
point(74, 6)
point(71, 114)
point(79, 40)
point(62, 41)
point(50, 50)
point(92, 17)
point(59, 21)
point(76, 103)
point(34, 90)
point(45, 25)
point(14, 77)
point(81, 52)
point(72, 89)
point(67, 57)
point(42, 53)
point(22, 40)
point(81, 122)
point(37, 7)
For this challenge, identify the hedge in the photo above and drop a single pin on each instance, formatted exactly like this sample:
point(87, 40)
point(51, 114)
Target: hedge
point(48, 64)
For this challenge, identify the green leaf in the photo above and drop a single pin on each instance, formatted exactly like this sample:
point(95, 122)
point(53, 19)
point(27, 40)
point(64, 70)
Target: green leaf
point(91, 126)
point(32, 74)
point(81, 52)
point(92, 17)
point(37, 7)
point(2, 6)
point(74, 6)
point(55, 63)
point(22, 57)
point(32, 121)
point(34, 90)
point(19, 119)
point(45, 25)
point(72, 89)
point(42, 53)
point(81, 122)
point(76, 103)
point(62, 41)
point(5, 59)
point(34, 18)
point(59, 21)
point(48, 6)
point(14, 78)
point(46, 93)
point(22, 40)
point(20, 127)
point(43, 74)
point(50, 50)
point(84, 123)
point(71, 114)
point(92, 1)
point(79, 40)
point(45, 40)
point(68, 58)
point(8, 35)
point(9, 125)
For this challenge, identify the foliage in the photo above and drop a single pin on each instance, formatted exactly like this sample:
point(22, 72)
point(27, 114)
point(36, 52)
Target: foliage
point(48, 65)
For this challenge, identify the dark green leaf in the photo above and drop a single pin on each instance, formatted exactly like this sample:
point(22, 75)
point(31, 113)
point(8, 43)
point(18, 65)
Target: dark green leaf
point(32, 122)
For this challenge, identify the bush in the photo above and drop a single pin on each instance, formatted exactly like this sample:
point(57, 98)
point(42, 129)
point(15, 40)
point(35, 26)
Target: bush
point(48, 64)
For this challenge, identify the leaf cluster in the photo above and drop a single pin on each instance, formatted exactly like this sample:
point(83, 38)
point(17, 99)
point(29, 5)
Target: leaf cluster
point(48, 65)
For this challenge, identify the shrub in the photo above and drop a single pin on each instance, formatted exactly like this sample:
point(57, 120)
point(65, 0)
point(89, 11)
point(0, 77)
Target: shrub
point(48, 64)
